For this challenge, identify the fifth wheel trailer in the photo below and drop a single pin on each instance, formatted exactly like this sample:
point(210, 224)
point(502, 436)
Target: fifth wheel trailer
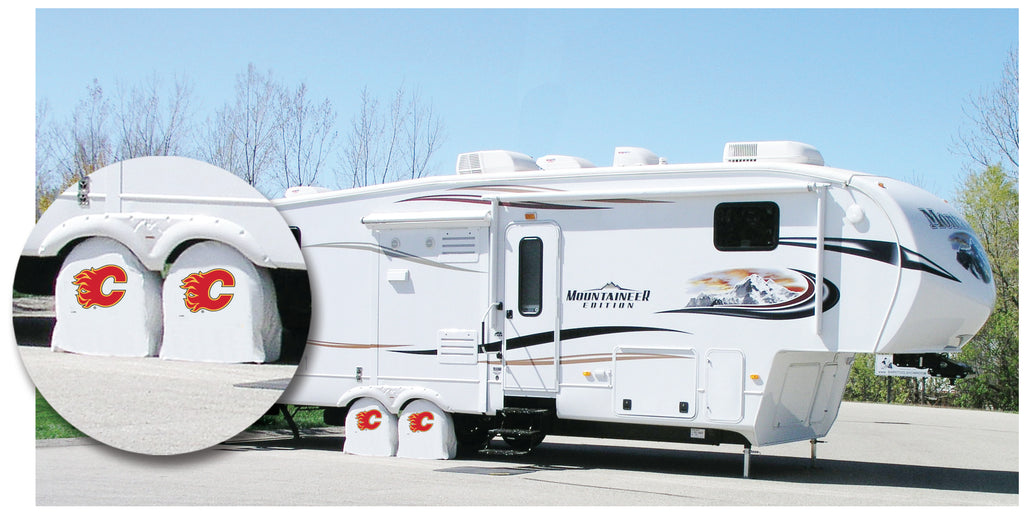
point(709, 303)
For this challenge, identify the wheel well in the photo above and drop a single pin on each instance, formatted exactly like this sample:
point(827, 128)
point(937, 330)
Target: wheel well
point(37, 275)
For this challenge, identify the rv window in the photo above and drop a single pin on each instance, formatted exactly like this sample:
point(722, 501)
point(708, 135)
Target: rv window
point(531, 275)
point(747, 226)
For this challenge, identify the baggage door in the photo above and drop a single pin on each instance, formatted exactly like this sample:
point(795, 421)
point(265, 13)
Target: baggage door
point(530, 346)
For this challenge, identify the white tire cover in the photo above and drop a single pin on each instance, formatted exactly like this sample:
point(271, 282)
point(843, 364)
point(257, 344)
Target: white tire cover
point(370, 429)
point(106, 302)
point(425, 432)
point(219, 307)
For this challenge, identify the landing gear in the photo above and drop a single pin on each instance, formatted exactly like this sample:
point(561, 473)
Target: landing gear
point(937, 364)
point(746, 461)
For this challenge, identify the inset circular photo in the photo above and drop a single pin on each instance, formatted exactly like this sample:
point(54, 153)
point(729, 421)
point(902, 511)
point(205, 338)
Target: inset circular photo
point(161, 305)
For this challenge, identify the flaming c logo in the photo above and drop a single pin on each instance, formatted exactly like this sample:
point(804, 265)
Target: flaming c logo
point(197, 290)
point(369, 419)
point(90, 286)
point(421, 421)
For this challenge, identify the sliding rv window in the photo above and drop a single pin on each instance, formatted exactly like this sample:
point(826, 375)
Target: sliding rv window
point(746, 226)
point(531, 275)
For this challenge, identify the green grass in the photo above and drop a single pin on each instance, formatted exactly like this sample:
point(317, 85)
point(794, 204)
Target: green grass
point(49, 424)
point(307, 417)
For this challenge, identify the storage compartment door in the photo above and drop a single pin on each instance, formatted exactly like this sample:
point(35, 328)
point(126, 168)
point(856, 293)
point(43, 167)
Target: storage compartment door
point(655, 382)
point(724, 389)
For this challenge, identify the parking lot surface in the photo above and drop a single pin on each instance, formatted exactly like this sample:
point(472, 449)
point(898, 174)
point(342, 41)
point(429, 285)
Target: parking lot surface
point(875, 455)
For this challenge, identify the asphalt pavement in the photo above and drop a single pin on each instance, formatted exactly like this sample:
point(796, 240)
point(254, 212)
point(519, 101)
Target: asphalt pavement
point(154, 406)
point(875, 455)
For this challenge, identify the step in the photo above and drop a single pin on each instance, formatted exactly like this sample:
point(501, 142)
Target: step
point(516, 432)
point(524, 411)
point(503, 452)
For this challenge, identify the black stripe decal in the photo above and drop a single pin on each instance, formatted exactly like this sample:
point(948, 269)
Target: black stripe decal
point(549, 337)
point(477, 199)
point(881, 251)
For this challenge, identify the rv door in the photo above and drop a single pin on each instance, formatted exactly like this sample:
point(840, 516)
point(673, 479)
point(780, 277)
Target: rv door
point(530, 346)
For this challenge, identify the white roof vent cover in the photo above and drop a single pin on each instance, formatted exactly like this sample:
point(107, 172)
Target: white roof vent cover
point(772, 151)
point(634, 156)
point(554, 162)
point(495, 161)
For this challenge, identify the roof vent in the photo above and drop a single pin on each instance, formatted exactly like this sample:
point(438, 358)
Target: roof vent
point(303, 190)
point(772, 151)
point(633, 156)
point(496, 161)
point(552, 162)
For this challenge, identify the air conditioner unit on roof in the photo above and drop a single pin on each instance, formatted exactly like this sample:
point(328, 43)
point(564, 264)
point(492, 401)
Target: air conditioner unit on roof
point(772, 151)
point(495, 161)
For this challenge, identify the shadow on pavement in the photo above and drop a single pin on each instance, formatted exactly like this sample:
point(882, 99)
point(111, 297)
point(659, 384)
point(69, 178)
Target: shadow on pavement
point(769, 467)
point(555, 456)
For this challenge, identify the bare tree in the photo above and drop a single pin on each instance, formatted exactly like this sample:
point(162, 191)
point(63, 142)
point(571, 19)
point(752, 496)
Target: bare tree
point(242, 137)
point(47, 178)
point(217, 143)
point(69, 150)
point(993, 133)
point(307, 137)
point(149, 126)
point(399, 144)
point(424, 133)
point(359, 155)
point(82, 144)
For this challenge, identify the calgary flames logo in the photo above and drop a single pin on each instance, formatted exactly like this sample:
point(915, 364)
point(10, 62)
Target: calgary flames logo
point(90, 286)
point(197, 290)
point(421, 421)
point(369, 419)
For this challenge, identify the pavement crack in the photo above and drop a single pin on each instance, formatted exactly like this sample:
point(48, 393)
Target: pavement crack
point(610, 488)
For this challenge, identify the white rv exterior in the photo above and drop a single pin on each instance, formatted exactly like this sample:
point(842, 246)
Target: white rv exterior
point(717, 303)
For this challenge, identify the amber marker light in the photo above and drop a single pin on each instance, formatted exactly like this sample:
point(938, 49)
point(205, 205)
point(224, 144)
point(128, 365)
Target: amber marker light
point(531, 215)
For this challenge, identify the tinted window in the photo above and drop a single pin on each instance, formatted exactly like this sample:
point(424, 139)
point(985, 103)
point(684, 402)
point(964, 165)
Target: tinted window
point(531, 275)
point(747, 226)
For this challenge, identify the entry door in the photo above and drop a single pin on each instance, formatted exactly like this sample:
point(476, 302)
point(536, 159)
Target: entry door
point(530, 348)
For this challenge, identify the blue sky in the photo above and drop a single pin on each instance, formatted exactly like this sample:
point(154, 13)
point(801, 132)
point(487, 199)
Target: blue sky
point(875, 90)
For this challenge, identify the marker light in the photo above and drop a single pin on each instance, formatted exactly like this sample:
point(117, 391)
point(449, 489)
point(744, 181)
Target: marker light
point(531, 215)
point(587, 374)
point(755, 377)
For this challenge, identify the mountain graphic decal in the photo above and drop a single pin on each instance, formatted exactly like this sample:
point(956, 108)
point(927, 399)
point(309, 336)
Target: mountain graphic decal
point(755, 290)
point(757, 293)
